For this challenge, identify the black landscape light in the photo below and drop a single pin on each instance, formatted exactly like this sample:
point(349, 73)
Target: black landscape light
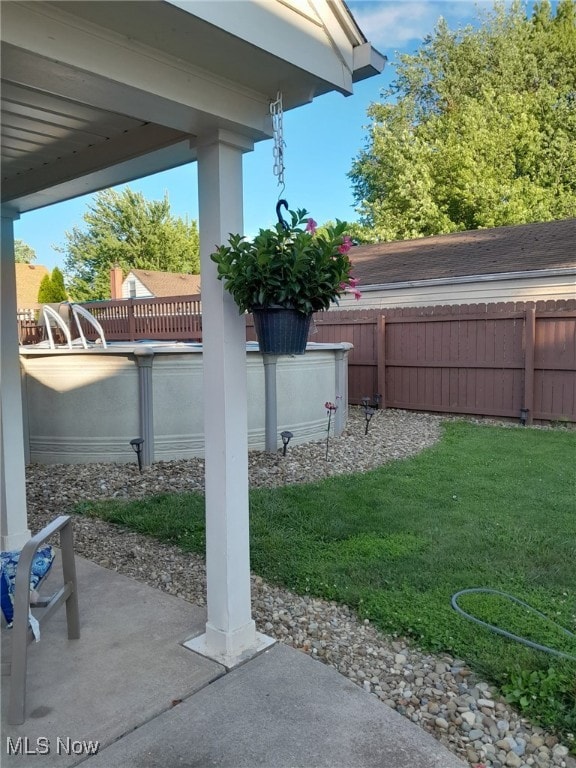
point(370, 405)
point(286, 437)
point(368, 413)
point(137, 444)
point(524, 416)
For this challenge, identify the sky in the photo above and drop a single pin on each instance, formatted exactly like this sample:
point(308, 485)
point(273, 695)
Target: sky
point(322, 139)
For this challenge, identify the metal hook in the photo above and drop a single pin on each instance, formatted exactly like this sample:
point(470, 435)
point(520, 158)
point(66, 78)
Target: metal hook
point(282, 221)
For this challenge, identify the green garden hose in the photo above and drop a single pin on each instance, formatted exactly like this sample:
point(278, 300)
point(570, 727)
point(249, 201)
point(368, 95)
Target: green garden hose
point(503, 632)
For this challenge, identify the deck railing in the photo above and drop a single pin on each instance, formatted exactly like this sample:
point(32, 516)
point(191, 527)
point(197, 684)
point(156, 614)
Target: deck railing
point(174, 318)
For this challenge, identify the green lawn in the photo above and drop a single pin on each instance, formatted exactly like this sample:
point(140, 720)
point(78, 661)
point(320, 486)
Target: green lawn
point(485, 507)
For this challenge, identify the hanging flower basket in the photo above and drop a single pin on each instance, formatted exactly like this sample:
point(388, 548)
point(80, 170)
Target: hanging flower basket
point(284, 274)
point(281, 331)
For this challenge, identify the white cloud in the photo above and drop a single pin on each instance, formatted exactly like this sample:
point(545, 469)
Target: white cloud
point(393, 24)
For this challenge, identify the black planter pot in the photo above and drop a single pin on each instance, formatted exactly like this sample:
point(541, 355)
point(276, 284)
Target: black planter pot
point(281, 331)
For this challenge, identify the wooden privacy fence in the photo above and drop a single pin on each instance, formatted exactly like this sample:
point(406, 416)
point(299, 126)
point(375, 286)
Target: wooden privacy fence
point(484, 359)
point(169, 319)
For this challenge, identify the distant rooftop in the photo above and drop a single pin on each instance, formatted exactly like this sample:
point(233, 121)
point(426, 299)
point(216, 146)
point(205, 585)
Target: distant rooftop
point(28, 279)
point(164, 284)
point(523, 247)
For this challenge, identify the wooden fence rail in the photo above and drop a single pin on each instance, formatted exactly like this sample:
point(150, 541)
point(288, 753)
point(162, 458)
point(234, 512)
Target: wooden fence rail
point(507, 359)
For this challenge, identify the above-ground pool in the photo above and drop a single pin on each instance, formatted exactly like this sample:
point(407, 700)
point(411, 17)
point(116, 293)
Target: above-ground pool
point(86, 405)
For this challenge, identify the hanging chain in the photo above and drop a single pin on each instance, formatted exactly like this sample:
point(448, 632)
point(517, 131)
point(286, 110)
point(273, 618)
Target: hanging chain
point(279, 143)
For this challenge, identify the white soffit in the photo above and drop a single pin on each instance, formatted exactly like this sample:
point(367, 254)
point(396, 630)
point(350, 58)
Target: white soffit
point(98, 93)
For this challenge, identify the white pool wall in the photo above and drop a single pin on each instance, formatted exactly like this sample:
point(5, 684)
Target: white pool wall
point(83, 406)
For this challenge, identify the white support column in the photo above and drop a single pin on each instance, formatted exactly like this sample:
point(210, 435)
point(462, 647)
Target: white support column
point(13, 516)
point(230, 636)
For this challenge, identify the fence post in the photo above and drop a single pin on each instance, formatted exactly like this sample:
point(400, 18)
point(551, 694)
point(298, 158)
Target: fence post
point(381, 358)
point(131, 320)
point(529, 342)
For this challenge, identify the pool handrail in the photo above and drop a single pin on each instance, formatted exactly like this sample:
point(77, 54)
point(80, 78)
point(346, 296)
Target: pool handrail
point(51, 314)
point(89, 317)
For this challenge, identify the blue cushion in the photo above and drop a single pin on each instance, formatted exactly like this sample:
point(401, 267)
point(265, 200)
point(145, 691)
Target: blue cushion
point(41, 564)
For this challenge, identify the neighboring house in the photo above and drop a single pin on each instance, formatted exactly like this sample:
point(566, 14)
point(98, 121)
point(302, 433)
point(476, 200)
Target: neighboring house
point(145, 284)
point(526, 262)
point(28, 279)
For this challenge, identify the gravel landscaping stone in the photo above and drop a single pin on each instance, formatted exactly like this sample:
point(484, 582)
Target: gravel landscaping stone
point(438, 693)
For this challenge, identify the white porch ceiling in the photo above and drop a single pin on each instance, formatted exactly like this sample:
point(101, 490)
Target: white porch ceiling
point(48, 141)
point(94, 94)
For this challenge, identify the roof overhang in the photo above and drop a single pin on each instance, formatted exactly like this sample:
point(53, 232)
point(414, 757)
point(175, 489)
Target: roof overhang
point(99, 93)
point(464, 279)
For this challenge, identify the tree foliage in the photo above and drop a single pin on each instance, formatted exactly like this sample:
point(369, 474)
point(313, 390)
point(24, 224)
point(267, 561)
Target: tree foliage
point(52, 289)
point(482, 132)
point(124, 228)
point(23, 253)
point(45, 290)
point(357, 233)
point(57, 286)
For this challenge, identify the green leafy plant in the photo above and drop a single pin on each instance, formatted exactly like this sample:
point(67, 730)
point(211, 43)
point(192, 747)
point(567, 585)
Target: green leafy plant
point(294, 266)
point(547, 695)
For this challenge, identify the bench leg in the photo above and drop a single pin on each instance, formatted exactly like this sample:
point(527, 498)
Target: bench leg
point(17, 701)
point(69, 574)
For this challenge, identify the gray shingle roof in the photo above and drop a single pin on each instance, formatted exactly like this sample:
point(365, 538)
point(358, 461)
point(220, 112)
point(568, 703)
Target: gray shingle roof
point(524, 247)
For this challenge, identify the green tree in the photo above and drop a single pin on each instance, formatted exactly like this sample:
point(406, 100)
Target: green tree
point(52, 289)
point(479, 129)
point(45, 290)
point(57, 286)
point(359, 234)
point(23, 253)
point(126, 229)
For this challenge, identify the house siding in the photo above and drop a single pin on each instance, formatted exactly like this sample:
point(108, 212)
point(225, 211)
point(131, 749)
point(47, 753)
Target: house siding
point(483, 291)
point(141, 291)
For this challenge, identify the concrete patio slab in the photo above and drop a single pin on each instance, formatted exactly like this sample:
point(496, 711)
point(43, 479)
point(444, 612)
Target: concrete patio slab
point(127, 668)
point(282, 709)
point(129, 685)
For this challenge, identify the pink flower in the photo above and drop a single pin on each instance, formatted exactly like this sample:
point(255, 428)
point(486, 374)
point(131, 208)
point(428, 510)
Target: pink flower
point(330, 406)
point(346, 244)
point(354, 291)
point(311, 226)
point(350, 287)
